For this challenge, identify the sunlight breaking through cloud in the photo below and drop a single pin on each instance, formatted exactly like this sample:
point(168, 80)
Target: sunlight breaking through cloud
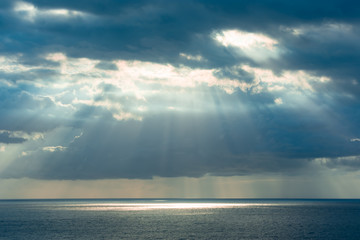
point(29, 12)
point(254, 45)
point(128, 91)
point(139, 90)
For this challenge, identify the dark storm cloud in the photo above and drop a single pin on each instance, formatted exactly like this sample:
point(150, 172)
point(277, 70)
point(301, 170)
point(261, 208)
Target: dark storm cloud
point(193, 144)
point(5, 137)
point(21, 111)
point(170, 146)
point(330, 48)
point(351, 163)
point(161, 30)
point(158, 30)
point(268, 139)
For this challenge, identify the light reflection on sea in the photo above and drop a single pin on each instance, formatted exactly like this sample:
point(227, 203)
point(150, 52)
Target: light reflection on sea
point(148, 205)
point(179, 219)
point(154, 206)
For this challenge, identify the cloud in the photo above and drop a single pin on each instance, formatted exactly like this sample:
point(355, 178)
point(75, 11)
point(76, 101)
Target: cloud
point(150, 29)
point(191, 57)
point(233, 88)
point(5, 137)
point(29, 12)
point(182, 143)
point(158, 32)
point(278, 101)
point(106, 66)
point(149, 119)
point(253, 45)
point(54, 148)
point(175, 145)
point(349, 163)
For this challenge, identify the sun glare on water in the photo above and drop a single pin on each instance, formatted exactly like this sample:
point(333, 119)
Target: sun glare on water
point(157, 206)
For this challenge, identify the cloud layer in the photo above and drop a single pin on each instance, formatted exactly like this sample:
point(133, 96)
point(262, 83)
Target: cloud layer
point(137, 89)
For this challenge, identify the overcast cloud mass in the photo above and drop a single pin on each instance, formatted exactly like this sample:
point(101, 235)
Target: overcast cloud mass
point(105, 89)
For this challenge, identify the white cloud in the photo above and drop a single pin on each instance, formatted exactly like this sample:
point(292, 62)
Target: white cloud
point(25, 153)
point(25, 10)
point(10, 64)
point(31, 13)
point(254, 45)
point(54, 148)
point(245, 40)
point(289, 80)
point(141, 73)
point(56, 57)
point(278, 101)
point(192, 57)
point(127, 93)
point(24, 135)
point(355, 140)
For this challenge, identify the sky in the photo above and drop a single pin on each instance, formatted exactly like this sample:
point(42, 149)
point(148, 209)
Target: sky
point(186, 99)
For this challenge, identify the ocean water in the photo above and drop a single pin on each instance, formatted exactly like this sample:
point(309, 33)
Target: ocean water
point(180, 219)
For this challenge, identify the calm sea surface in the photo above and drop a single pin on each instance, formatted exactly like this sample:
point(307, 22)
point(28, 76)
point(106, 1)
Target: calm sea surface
point(179, 219)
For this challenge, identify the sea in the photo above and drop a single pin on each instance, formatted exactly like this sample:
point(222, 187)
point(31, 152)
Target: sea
point(180, 219)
